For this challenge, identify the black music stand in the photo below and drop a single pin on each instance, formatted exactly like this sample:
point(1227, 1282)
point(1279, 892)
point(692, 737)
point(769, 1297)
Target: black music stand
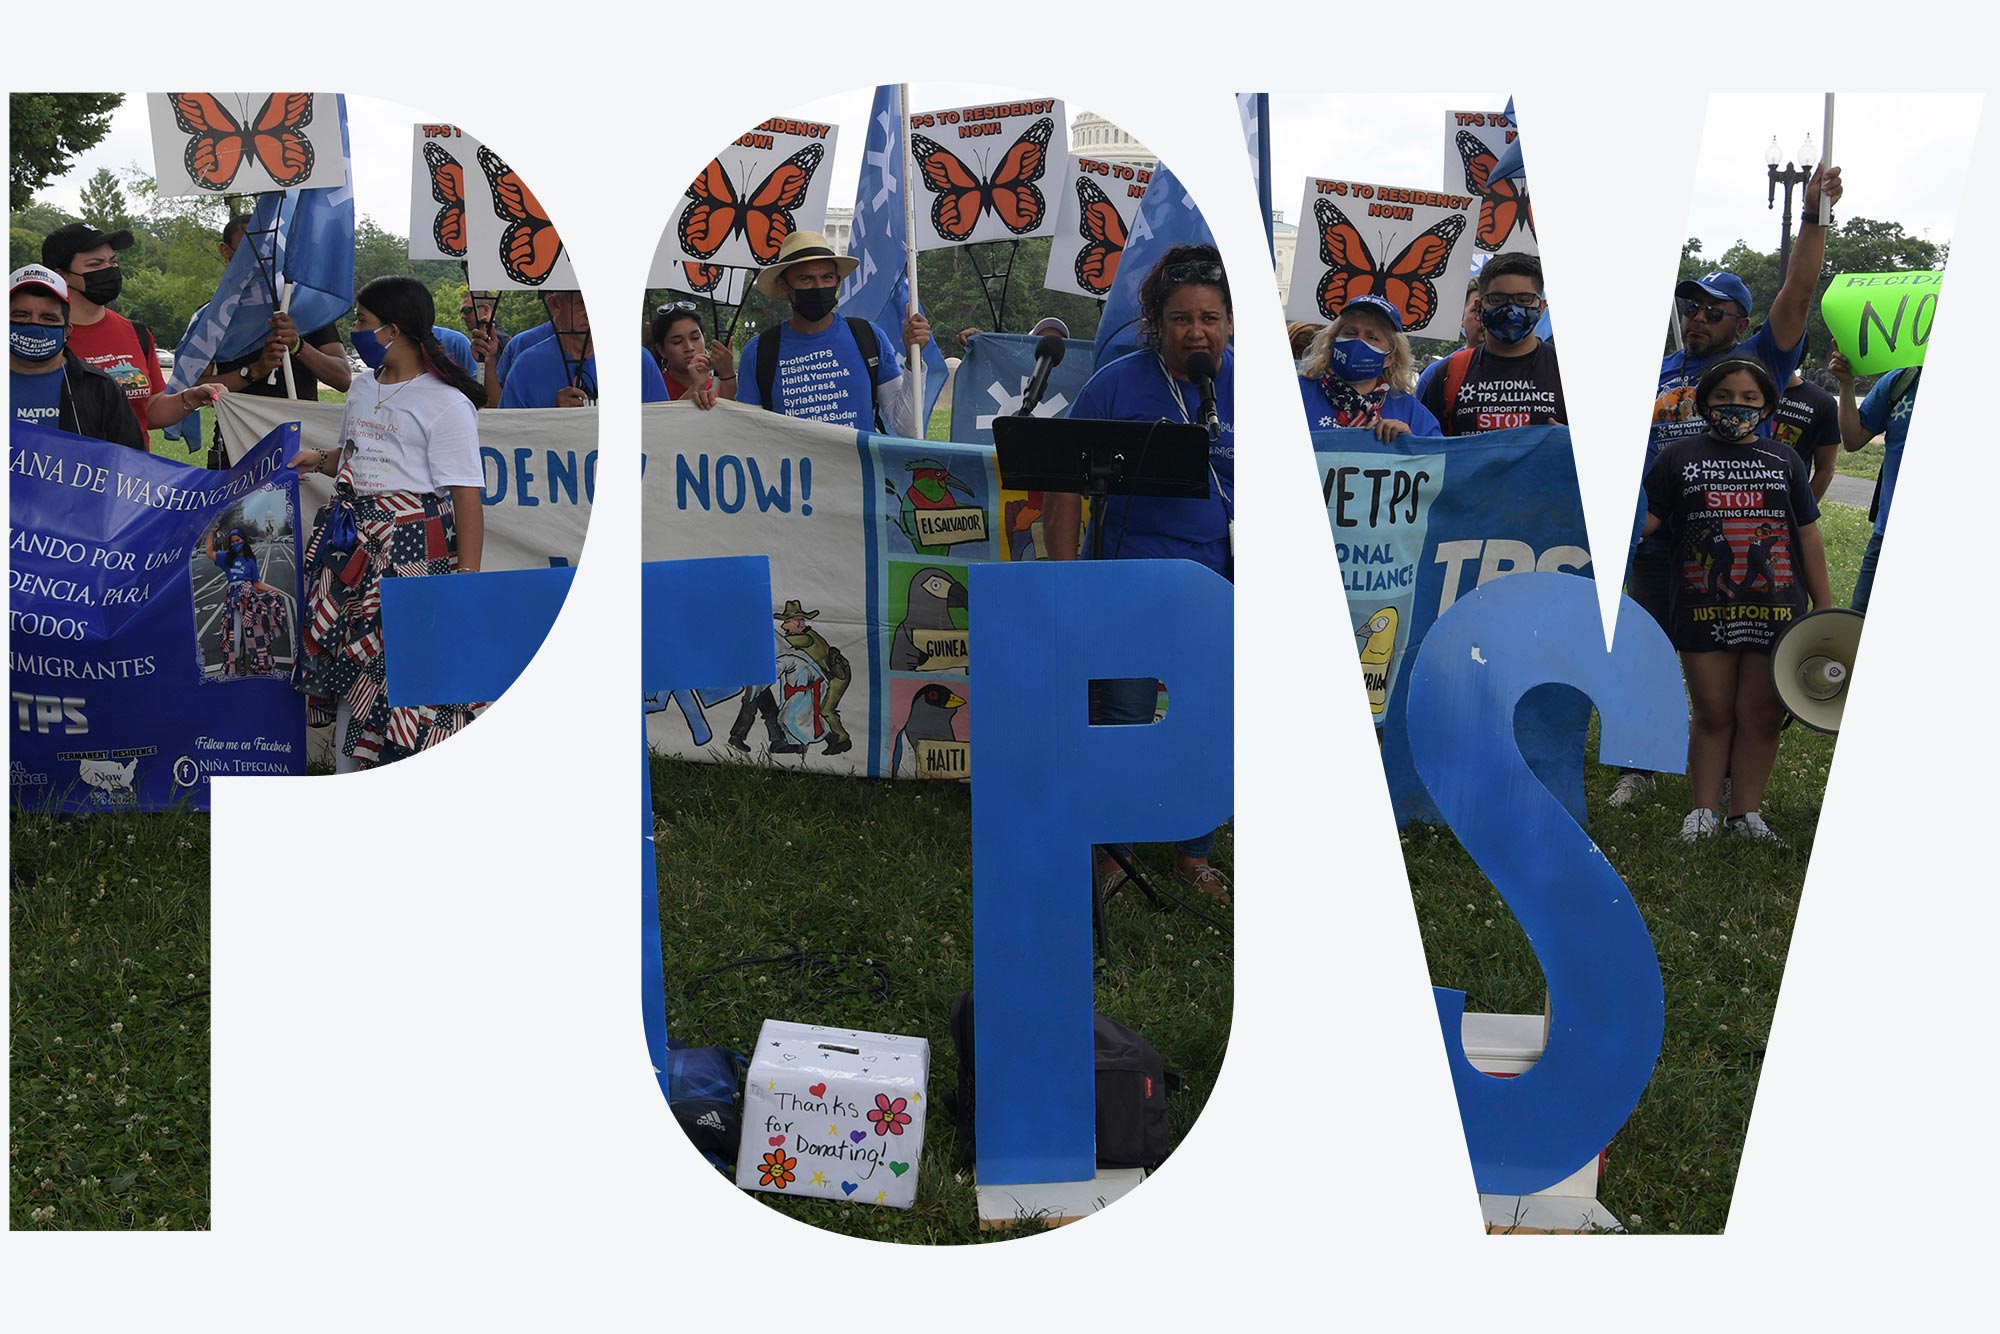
point(1100, 459)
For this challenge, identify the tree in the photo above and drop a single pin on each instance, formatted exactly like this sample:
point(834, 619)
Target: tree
point(103, 203)
point(47, 132)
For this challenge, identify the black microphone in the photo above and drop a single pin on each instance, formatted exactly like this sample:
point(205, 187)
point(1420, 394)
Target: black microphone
point(1200, 368)
point(1048, 355)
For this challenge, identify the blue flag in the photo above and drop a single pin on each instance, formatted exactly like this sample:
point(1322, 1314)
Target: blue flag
point(301, 237)
point(1167, 217)
point(995, 371)
point(880, 289)
point(1508, 166)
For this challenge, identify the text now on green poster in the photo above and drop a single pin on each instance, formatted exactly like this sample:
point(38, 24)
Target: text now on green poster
point(1882, 321)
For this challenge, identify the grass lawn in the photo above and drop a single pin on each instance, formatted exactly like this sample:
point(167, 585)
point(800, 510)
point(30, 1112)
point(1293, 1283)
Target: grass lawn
point(874, 880)
point(1863, 462)
point(1721, 916)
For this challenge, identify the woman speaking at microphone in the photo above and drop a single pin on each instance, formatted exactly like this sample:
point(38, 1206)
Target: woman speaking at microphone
point(407, 501)
point(1186, 322)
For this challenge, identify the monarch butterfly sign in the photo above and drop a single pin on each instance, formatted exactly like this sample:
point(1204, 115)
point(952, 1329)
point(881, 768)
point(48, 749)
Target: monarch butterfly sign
point(1473, 143)
point(245, 143)
point(983, 170)
point(1412, 247)
point(509, 241)
point(440, 157)
point(737, 212)
point(1093, 222)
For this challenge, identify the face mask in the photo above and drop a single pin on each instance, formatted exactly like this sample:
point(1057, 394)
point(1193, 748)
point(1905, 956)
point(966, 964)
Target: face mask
point(1355, 359)
point(1510, 323)
point(813, 304)
point(1734, 421)
point(370, 348)
point(102, 286)
point(35, 342)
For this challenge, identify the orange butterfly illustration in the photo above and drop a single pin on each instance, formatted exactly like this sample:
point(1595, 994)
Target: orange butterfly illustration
point(1502, 204)
point(448, 189)
point(1408, 281)
point(703, 278)
point(763, 217)
point(529, 246)
point(219, 140)
point(1103, 231)
point(1009, 194)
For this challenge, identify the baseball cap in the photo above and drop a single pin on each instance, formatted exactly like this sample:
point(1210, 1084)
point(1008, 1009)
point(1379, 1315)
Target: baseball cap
point(1381, 305)
point(1721, 286)
point(65, 243)
point(37, 276)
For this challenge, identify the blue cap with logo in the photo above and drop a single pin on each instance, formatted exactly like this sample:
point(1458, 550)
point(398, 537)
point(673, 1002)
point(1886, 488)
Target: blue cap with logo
point(1722, 286)
point(1381, 305)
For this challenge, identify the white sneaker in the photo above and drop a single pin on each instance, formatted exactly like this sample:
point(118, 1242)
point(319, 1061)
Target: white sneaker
point(1752, 827)
point(1699, 824)
point(1632, 789)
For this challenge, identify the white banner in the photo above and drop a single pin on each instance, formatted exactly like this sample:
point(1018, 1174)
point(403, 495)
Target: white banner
point(1093, 218)
point(441, 162)
point(245, 143)
point(981, 166)
point(1473, 142)
point(1409, 246)
point(771, 182)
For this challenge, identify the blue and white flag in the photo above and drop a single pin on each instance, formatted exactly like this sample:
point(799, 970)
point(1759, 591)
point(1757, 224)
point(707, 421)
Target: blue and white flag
point(304, 238)
point(1255, 111)
point(880, 289)
point(1509, 165)
point(993, 375)
point(1167, 217)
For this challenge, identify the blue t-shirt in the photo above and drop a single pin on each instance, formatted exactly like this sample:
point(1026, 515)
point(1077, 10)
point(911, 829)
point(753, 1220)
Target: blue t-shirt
point(459, 347)
point(1674, 414)
point(820, 377)
point(242, 570)
point(1886, 412)
point(38, 398)
point(1137, 388)
point(1429, 373)
point(1398, 407)
point(520, 343)
point(540, 374)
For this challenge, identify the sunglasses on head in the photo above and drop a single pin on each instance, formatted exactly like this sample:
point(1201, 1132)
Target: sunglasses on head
point(1708, 310)
point(1195, 271)
point(671, 306)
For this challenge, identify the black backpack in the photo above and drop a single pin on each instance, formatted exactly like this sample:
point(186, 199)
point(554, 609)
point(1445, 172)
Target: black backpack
point(1132, 1088)
point(864, 338)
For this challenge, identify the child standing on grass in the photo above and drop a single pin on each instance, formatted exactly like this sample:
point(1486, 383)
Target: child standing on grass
point(1745, 557)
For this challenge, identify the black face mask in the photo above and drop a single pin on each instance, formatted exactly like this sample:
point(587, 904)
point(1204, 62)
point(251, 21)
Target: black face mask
point(813, 304)
point(102, 286)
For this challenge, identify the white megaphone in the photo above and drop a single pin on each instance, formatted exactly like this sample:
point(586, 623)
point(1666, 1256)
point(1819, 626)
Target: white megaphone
point(1812, 664)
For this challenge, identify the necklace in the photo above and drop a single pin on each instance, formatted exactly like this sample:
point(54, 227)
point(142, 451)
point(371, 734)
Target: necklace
point(381, 398)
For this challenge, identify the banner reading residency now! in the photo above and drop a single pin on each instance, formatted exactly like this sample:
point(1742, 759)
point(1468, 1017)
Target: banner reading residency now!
point(140, 664)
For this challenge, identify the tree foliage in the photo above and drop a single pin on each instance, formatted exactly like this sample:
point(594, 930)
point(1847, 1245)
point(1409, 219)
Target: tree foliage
point(47, 131)
point(103, 202)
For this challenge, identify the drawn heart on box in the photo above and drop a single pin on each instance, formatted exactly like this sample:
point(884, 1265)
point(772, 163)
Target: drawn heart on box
point(899, 1168)
point(777, 1140)
point(817, 1090)
point(849, 1187)
point(868, 1060)
point(790, 1057)
point(857, 1135)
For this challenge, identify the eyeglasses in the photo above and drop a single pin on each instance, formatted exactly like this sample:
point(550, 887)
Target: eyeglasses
point(1525, 300)
point(677, 305)
point(1195, 271)
point(1710, 312)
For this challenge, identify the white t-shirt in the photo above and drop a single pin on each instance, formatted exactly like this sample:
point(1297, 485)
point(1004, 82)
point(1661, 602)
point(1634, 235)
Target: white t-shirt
point(419, 435)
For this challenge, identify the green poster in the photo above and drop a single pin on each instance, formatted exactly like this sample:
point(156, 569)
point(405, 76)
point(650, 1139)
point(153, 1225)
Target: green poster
point(1882, 321)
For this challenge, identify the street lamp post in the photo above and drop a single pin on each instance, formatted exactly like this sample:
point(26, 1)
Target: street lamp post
point(1787, 176)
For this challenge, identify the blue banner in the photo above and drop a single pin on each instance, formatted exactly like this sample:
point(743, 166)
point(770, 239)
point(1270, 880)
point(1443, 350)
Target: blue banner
point(994, 372)
point(1419, 523)
point(1167, 217)
point(141, 664)
point(880, 289)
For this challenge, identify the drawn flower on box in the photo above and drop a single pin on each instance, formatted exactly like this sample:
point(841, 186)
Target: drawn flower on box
point(778, 1170)
point(889, 1117)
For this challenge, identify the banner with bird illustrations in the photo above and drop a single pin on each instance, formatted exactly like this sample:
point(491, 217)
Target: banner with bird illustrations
point(510, 242)
point(1412, 247)
point(1414, 531)
point(1473, 144)
point(985, 171)
point(870, 538)
point(739, 209)
point(245, 143)
point(1093, 219)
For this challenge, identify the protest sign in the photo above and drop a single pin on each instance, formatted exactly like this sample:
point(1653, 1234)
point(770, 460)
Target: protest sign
point(510, 242)
point(244, 143)
point(1099, 200)
point(718, 282)
point(982, 166)
point(440, 158)
point(1405, 245)
point(140, 665)
point(1473, 144)
point(1882, 321)
point(1414, 531)
point(1167, 217)
point(770, 183)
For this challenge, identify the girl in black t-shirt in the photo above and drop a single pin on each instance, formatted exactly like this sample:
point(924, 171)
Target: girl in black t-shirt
point(1746, 557)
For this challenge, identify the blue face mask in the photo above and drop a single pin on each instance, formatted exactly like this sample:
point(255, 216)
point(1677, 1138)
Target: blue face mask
point(35, 342)
point(1354, 359)
point(369, 348)
point(1510, 323)
point(1734, 421)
